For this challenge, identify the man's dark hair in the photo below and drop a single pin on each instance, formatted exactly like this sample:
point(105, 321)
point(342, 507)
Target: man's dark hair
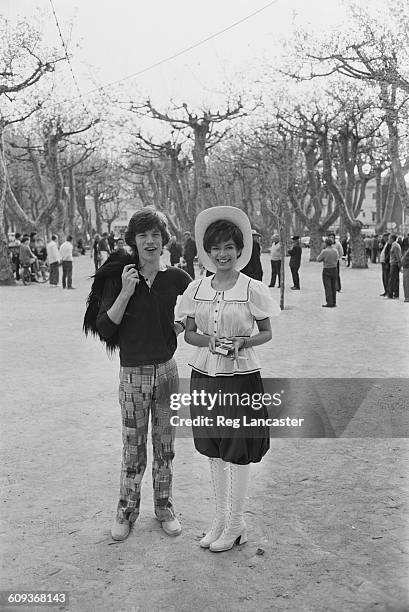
point(393, 237)
point(32, 235)
point(328, 242)
point(222, 231)
point(53, 237)
point(17, 235)
point(25, 238)
point(69, 238)
point(145, 220)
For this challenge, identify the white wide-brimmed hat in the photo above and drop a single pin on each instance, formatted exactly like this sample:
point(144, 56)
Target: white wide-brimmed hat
point(227, 213)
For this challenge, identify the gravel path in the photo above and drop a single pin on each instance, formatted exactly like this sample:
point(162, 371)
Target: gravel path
point(327, 516)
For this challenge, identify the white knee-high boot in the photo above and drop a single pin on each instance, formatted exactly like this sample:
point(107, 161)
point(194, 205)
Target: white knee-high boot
point(220, 476)
point(235, 530)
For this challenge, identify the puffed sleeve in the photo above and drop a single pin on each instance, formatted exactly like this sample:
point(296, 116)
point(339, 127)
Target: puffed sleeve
point(261, 303)
point(185, 306)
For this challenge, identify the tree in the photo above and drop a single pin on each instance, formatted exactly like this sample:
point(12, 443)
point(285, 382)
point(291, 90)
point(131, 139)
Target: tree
point(23, 64)
point(201, 129)
point(376, 52)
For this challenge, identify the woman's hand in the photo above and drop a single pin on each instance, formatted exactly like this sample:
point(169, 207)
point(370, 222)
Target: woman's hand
point(130, 278)
point(212, 344)
point(238, 344)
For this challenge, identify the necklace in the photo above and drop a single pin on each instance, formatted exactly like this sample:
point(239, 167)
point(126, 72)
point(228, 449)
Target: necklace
point(149, 278)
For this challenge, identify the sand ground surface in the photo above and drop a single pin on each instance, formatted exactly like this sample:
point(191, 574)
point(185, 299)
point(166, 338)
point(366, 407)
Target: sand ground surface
point(327, 509)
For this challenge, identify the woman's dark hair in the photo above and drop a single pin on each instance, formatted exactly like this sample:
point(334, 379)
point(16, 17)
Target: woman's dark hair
point(143, 221)
point(222, 231)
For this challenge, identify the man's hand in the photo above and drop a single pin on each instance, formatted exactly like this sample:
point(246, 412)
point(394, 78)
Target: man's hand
point(130, 278)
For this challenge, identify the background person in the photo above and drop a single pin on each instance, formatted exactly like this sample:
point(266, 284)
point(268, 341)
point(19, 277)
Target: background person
point(275, 261)
point(104, 248)
point(295, 262)
point(395, 261)
point(224, 307)
point(338, 247)
point(189, 253)
point(405, 266)
point(254, 268)
point(66, 259)
point(95, 252)
point(53, 260)
point(329, 258)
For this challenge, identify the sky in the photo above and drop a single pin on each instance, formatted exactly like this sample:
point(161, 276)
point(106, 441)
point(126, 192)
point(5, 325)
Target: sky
point(111, 40)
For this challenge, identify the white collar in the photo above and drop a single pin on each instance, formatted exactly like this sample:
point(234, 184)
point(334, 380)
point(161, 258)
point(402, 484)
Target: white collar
point(239, 293)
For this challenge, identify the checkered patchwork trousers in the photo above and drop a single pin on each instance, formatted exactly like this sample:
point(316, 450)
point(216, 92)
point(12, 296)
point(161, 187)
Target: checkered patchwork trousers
point(145, 390)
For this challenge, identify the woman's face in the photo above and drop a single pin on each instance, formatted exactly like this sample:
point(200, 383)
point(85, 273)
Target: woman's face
point(149, 246)
point(224, 255)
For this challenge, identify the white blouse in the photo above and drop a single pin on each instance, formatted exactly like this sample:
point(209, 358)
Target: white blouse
point(225, 314)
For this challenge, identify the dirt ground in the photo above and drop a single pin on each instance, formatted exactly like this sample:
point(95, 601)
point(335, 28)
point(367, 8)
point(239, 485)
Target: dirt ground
point(327, 516)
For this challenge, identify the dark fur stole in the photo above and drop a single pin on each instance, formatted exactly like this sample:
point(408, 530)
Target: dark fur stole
point(112, 270)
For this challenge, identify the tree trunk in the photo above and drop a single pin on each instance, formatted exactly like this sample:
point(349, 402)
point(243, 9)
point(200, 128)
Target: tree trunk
point(6, 270)
point(316, 234)
point(72, 207)
point(358, 255)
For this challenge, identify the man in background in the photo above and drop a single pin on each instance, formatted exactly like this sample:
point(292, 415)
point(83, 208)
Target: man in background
point(275, 261)
point(295, 262)
point(189, 253)
point(338, 247)
point(66, 258)
point(53, 260)
point(395, 262)
point(254, 268)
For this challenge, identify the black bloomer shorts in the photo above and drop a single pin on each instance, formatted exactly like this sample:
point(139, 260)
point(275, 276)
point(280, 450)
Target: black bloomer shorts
point(228, 426)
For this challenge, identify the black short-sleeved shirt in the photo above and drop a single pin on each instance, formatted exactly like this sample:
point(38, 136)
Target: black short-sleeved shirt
point(145, 334)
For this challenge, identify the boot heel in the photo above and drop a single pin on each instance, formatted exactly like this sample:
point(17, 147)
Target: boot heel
point(242, 539)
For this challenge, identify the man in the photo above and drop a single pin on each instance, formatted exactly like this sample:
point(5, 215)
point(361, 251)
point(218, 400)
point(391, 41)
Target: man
point(295, 262)
point(103, 248)
point(405, 266)
point(16, 254)
point(338, 247)
point(131, 308)
point(384, 260)
point(120, 245)
point(189, 253)
point(27, 258)
point(395, 262)
point(66, 258)
point(275, 261)
point(404, 247)
point(53, 260)
point(329, 257)
point(374, 248)
point(175, 251)
point(368, 247)
point(254, 268)
point(111, 241)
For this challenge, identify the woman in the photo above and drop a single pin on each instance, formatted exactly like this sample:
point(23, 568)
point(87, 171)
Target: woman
point(224, 308)
point(131, 307)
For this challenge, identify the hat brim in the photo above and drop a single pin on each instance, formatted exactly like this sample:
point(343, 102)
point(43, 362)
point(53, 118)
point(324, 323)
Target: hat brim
point(227, 213)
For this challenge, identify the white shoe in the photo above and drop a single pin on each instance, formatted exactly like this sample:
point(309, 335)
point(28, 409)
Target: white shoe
point(120, 530)
point(220, 476)
point(235, 531)
point(172, 527)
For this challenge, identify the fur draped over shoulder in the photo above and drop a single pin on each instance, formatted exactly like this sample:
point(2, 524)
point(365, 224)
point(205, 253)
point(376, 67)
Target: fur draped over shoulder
point(111, 269)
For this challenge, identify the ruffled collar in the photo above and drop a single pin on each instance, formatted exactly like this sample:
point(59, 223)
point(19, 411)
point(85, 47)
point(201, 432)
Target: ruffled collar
point(239, 293)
